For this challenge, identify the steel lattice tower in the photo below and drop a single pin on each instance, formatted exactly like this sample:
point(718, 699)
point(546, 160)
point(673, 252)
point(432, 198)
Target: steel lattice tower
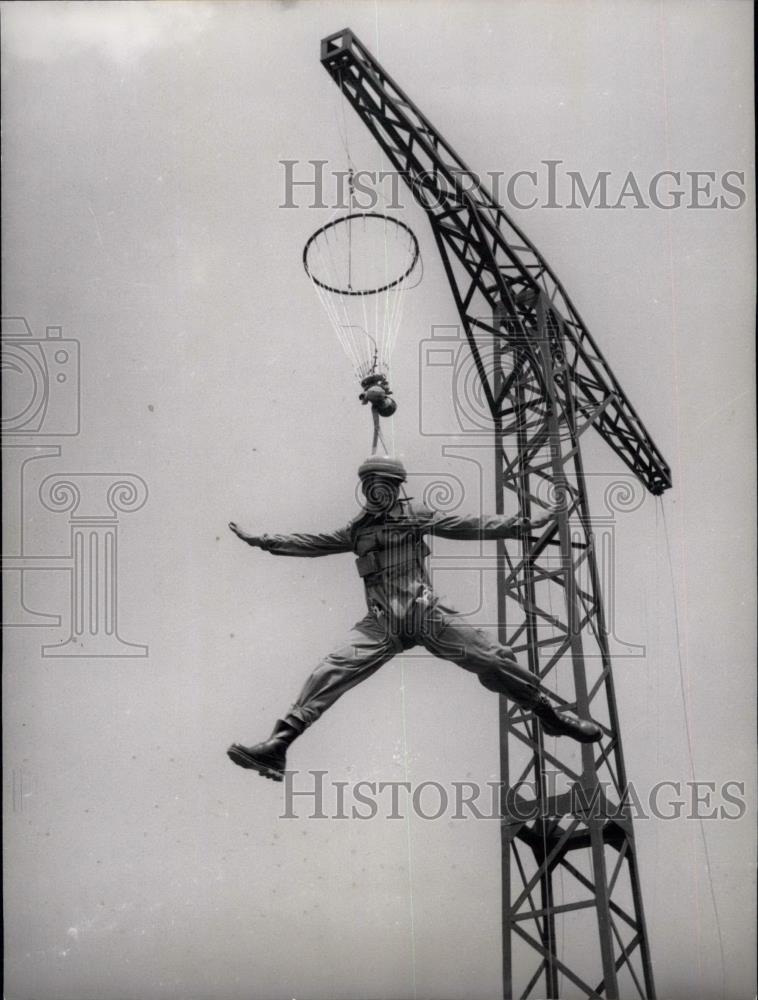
point(545, 383)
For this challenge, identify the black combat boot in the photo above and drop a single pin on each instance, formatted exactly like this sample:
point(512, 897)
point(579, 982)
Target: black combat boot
point(565, 723)
point(268, 758)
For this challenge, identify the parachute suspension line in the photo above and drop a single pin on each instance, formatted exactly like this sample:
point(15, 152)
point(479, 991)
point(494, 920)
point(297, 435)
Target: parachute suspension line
point(690, 749)
point(354, 255)
point(335, 321)
point(397, 305)
point(398, 298)
point(343, 328)
point(329, 304)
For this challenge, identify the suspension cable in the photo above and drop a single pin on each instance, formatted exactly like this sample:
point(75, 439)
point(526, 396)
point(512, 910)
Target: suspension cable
point(690, 750)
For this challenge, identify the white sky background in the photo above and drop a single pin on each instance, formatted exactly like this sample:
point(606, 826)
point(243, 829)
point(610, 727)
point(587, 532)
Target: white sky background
point(141, 193)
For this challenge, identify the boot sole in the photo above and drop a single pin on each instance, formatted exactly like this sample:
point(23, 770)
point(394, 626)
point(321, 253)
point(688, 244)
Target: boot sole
point(238, 755)
point(551, 730)
point(572, 736)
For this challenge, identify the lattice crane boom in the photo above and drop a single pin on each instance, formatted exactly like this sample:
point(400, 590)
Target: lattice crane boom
point(499, 268)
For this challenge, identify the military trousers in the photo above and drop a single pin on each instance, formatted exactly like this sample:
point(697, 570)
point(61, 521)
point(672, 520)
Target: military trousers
point(374, 641)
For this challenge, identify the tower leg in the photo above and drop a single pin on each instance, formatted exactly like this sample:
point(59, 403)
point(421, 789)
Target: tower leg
point(549, 612)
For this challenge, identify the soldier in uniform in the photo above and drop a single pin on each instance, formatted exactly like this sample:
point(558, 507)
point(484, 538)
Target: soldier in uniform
point(403, 611)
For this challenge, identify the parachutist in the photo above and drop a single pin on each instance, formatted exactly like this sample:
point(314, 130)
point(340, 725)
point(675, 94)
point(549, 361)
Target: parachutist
point(403, 611)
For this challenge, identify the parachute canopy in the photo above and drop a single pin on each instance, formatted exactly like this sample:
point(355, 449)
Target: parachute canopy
point(360, 265)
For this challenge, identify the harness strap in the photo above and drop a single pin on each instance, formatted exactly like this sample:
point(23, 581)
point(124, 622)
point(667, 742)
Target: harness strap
point(381, 560)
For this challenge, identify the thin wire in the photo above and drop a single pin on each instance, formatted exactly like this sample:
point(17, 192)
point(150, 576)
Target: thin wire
point(403, 712)
point(396, 299)
point(690, 750)
point(390, 338)
point(344, 132)
point(321, 245)
point(330, 309)
point(342, 330)
point(339, 298)
point(403, 716)
point(350, 231)
point(376, 315)
point(377, 341)
point(550, 585)
point(397, 311)
point(392, 294)
point(351, 207)
point(549, 915)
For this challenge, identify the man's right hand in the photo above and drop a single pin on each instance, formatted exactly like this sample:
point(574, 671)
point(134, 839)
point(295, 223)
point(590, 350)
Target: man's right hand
point(250, 539)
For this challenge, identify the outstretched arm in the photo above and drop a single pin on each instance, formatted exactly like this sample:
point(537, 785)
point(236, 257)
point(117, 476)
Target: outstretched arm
point(299, 544)
point(484, 527)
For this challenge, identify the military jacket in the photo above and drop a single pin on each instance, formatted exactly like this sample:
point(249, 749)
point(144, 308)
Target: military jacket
point(392, 552)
